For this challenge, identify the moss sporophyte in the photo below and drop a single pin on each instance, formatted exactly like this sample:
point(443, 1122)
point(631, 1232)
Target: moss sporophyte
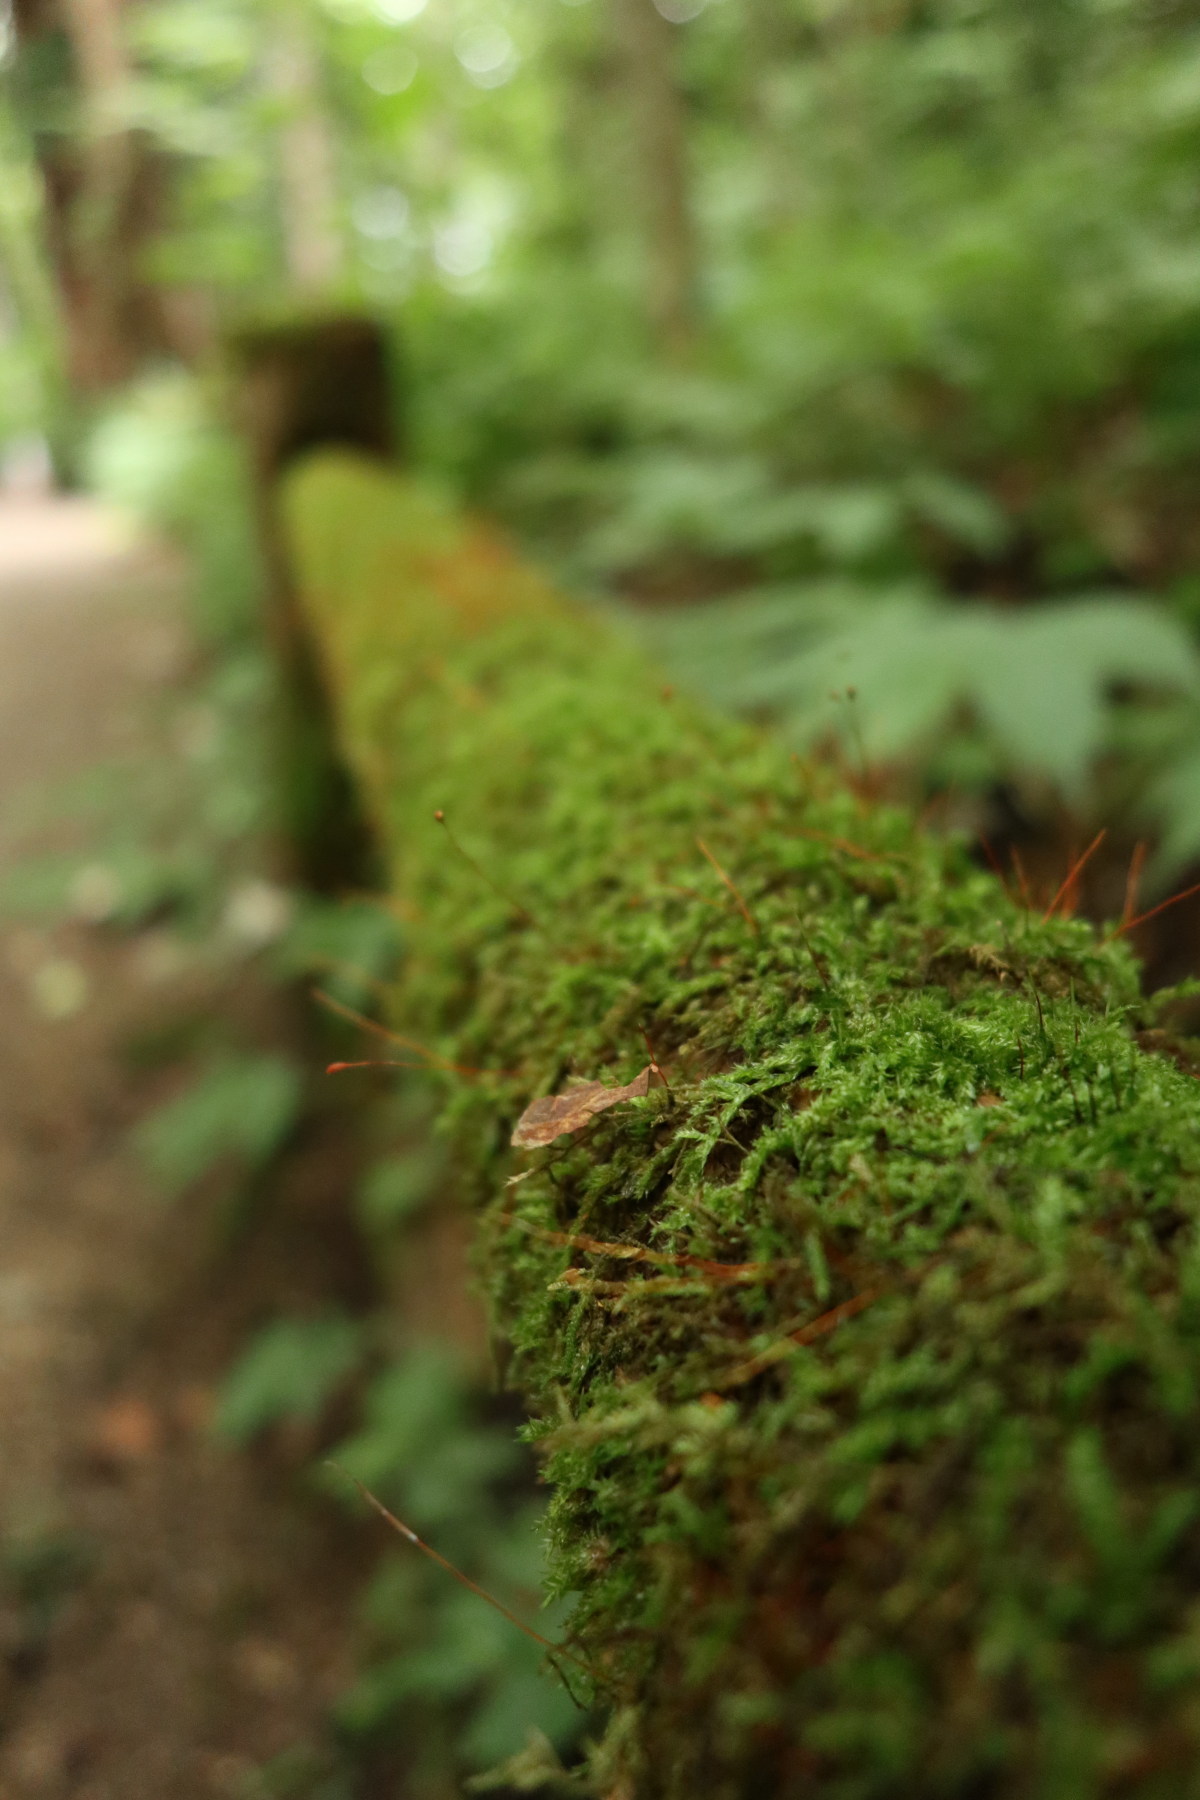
point(865, 1354)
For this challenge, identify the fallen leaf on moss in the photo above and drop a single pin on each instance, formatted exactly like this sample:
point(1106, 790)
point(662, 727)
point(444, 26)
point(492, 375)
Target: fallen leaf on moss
point(558, 1115)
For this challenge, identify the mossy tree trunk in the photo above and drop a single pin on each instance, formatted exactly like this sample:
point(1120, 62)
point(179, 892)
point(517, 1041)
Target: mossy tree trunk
point(866, 1350)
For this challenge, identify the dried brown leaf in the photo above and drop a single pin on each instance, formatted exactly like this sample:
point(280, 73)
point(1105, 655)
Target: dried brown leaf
point(558, 1115)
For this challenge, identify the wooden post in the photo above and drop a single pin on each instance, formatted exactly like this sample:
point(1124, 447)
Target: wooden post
point(299, 386)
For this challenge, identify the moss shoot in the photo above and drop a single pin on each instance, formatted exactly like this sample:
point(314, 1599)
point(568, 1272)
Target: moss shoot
point(865, 1354)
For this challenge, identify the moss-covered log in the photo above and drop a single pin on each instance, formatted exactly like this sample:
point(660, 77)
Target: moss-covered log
point(867, 1350)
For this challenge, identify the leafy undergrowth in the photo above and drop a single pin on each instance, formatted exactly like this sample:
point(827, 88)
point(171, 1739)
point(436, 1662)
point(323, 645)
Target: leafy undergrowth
point(447, 1685)
point(1089, 702)
point(865, 1351)
point(180, 861)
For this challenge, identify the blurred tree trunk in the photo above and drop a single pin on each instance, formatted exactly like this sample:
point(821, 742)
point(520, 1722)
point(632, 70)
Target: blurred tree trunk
point(313, 248)
point(26, 283)
point(108, 200)
point(771, 51)
point(658, 139)
point(103, 193)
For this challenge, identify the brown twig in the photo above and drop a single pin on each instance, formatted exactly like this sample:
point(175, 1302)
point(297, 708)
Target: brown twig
point(856, 733)
point(654, 1062)
point(794, 1340)
point(751, 921)
point(1074, 872)
point(443, 1562)
point(522, 911)
point(382, 1062)
point(841, 843)
point(578, 1281)
point(1131, 924)
point(1132, 882)
point(661, 1259)
point(673, 887)
point(994, 866)
point(819, 962)
point(1022, 878)
point(393, 1037)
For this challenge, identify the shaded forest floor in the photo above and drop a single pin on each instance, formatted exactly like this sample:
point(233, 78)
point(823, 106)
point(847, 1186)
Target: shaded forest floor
point(171, 1615)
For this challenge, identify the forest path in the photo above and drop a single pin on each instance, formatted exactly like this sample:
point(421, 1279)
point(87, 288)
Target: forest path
point(170, 1615)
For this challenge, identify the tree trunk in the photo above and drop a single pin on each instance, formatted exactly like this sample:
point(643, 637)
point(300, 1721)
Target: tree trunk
point(313, 249)
point(772, 49)
point(28, 285)
point(104, 189)
point(658, 169)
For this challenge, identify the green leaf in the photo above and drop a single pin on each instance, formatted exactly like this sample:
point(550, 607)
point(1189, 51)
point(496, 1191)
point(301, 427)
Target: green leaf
point(349, 946)
point(1040, 681)
point(420, 1449)
point(962, 511)
point(289, 1371)
point(395, 1188)
point(1175, 800)
point(417, 1404)
point(523, 1699)
point(241, 1107)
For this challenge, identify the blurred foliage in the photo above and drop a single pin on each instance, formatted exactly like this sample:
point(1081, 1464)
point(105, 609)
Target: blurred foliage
point(288, 1371)
point(949, 263)
point(39, 1571)
point(350, 946)
point(160, 452)
point(178, 847)
point(181, 835)
point(33, 401)
point(427, 1450)
point(441, 1669)
point(400, 1185)
point(946, 362)
point(241, 1107)
point(1042, 699)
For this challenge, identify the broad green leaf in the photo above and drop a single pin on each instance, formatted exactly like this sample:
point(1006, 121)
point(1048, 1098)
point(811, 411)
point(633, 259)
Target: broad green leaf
point(396, 1187)
point(1174, 801)
point(241, 1107)
point(288, 1371)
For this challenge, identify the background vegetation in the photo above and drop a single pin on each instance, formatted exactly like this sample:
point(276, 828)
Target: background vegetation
point(879, 316)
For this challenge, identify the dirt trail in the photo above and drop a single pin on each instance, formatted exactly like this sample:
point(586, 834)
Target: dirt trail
point(170, 1615)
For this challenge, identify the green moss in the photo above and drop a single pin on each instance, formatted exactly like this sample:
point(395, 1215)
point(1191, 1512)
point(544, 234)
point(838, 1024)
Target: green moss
point(951, 1546)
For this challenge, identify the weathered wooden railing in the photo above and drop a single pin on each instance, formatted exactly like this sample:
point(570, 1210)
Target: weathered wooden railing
point(866, 1339)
